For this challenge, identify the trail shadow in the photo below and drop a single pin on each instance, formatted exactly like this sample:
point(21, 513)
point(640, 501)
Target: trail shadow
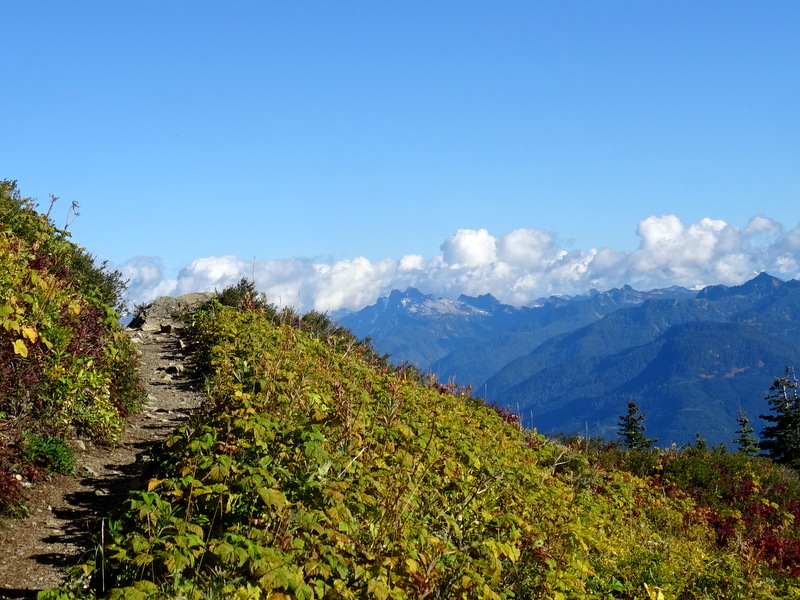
point(7, 593)
point(70, 530)
point(81, 517)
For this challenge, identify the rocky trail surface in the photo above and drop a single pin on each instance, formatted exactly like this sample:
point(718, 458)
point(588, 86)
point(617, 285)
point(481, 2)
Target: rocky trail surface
point(36, 552)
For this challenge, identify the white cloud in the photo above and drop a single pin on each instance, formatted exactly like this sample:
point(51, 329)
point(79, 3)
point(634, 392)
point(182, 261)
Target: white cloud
point(469, 248)
point(517, 268)
point(792, 240)
point(709, 251)
point(212, 273)
point(145, 275)
point(525, 247)
point(412, 262)
point(761, 224)
point(784, 252)
point(352, 283)
point(286, 282)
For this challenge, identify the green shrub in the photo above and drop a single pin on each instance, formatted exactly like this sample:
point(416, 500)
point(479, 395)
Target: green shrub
point(49, 452)
point(66, 367)
point(98, 282)
point(244, 296)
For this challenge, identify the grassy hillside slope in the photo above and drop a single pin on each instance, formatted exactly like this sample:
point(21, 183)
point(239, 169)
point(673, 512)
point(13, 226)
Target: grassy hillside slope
point(67, 370)
point(317, 471)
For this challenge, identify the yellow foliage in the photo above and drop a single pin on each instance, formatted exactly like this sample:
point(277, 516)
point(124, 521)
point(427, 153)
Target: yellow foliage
point(30, 333)
point(20, 348)
point(654, 592)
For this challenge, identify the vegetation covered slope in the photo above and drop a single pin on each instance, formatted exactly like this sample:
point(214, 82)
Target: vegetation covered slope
point(66, 368)
point(316, 471)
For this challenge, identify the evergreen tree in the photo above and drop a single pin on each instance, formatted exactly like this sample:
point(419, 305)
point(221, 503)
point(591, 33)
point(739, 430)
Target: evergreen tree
point(747, 442)
point(781, 440)
point(632, 429)
point(700, 443)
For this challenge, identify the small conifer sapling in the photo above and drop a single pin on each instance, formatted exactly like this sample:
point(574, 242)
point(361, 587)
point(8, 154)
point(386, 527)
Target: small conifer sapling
point(632, 429)
point(746, 442)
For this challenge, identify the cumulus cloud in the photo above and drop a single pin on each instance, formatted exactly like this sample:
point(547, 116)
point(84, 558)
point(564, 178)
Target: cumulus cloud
point(145, 276)
point(412, 262)
point(469, 248)
point(210, 273)
point(525, 247)
point(686, 255)
point(352, 283)
point(516, 268)
point(761, 224)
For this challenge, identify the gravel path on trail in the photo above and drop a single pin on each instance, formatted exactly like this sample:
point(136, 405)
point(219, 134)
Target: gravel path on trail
point(36, 552)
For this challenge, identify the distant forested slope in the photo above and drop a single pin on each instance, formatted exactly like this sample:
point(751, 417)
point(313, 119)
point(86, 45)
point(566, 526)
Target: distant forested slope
point(690, 359)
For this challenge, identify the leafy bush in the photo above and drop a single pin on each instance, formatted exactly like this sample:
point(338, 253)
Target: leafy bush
point(243, 296)
point(66, 367)
point(750, 502)
point(98, 282)
point(49, 452)
point(311, 473)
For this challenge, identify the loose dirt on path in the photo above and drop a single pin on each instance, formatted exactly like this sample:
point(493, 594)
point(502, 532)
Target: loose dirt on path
point(36, 552)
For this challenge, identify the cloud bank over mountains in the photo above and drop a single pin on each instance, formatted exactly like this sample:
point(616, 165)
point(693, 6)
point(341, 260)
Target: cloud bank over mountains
point(517, 268)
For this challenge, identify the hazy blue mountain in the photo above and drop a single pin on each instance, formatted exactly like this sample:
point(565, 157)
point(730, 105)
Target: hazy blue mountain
point(474, 364)
point(419, 329)
point(690, 364)
point(469, 339)
point(689, 359)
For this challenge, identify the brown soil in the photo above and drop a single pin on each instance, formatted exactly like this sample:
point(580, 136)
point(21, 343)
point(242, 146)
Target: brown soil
point(36, 552)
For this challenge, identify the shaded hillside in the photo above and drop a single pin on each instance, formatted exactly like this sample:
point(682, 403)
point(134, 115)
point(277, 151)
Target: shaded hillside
point(468, 340)
point(690, 364)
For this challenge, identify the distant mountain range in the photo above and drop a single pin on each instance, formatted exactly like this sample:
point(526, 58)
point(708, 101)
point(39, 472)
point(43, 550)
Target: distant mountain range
point(689, 359)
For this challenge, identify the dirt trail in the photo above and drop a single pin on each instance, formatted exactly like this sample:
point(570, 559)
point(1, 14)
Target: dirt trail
point(36, 552)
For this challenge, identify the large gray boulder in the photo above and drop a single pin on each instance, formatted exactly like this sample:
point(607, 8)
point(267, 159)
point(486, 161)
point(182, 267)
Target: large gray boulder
point(166, 312)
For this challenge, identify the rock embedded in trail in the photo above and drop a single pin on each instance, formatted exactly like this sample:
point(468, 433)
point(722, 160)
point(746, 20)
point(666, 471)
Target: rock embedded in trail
point(165, 313)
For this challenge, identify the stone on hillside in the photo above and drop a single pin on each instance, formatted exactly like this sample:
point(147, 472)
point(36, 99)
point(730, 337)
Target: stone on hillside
point(165, 313)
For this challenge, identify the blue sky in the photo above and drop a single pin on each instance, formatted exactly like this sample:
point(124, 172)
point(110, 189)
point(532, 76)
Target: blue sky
point(317, 144)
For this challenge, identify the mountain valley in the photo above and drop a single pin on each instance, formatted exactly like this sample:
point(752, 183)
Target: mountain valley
point(689, 359)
